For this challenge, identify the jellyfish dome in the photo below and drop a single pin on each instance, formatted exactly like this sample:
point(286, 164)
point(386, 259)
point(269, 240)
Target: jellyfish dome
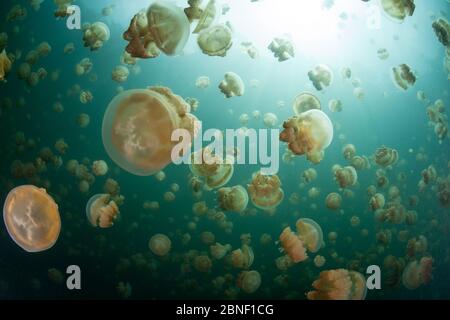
point(309, 133)
point(242, 258)
point(339, 284)
point(206, 14)
point(249, 281)
point(265, 191)
point(441, 28)
point(160, 244)
point(232, 85)
point(403, 77)
point(101, 211)
point(138, 125)
point(215, 41)
point(310, 233)
point(304, 102)
point(163, 27)
point(233, 199)
point(5, 65)
point(32, 218)
point(385, 156)
point(321, 77)
point(96, 35)
point(293, 246)
point(346, 176)
point(333, 201)
point(398, 10)
point(282, 48)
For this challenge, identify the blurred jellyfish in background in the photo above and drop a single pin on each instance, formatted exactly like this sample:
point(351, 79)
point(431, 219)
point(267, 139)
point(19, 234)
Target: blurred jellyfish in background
point(202, 82)
point(101, 211)
point(417, 273)
point(321, 77)
point(5, 65)
point(403, 77)
point(282, 48)
point(309, 133)
point(385, 156)
point(339, 284)
point(333, 201)
point(138, 125)
point(32, 218)
point(233, 199)
point(160, 244)
point(249, 281)
point(305, 101)
point(232, 85)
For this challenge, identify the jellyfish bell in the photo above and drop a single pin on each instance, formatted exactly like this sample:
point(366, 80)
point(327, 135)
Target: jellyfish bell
point(242, 258)
point(321, 77)
point(206, 14)
point(160, 244)
point(5, 65)
point(101, 211)
point(403, 77)
point(137, 128)
point(305, 101)
point(32, 218)
point(339, 284)
point(216, 40)
point(233, 199)
point(309, 133)
point(249, 281)
point(265, 191)
point(282, 48)
point(293, 246)
point(398, 10)
point(232, 85)
point(310, 233)
point(95, 35)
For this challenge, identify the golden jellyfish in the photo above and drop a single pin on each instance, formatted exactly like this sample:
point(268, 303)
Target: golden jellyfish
point(99, 168)
point(355, 221)
point(346, 176)
point(309, 175)
point(160, 244)
point(202, 263)
point(205, 14)
point(242, 258)
point(441, 28)
point(293, 246)
point(309, 133)
point(319, 261)
point(403, 77)
point(310, 233)
point(335, 105)
point(169, 196)
point(101, 211)
point(163, 26)
point(202, 82)
point(83, 120)
point(31, 217)
point(233, 198)
point(333, 201)
point(385, 156)
point(216, 171)
point(218, 251)
point(216, 40)
point(62, 9)
point(348, 151)
point(5, 65)
point(321, 77)
point(305, 101)
point(398, 10)
point(417, 273)
point(95, 35)
point(120, 74)
point(360, 162)
point(282, 48)
point(249, 281)
point(232, 85)
point(339, 284)
point(270, 120)
point(137, 128)
point(265, 191)
point(377, 201)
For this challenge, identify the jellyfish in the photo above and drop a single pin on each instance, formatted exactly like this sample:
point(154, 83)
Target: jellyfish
point(216, 171)
point(346, 73)
point(310, 233)
point(163, 27)
point(242, 258)
point(83, 120)
point(377, 201)
point(205, 15)
point(31, 217)
point(101, 211)
point(309, 175)
point(17, 12)
point(398, 10)
point(360, 162)
point(215, 41)
point(383, 53)
point(250, 49)
point(99, 168)
point(305, 101)
point(346, 176)
point(244, 119)
point(265, 191)
point(282, 49)
point(335, 105)
point(202, 263)
point(137, 128)
point(233, 199)
point(403, 77)
point(270, 120)
point(160, 244)
point(385, 156)
point(417, 273)
point(309, 133)
point(232, 85)
point(321, 77)
point(218, 251)
point(62, 9)
point(86, 96)
point(202, 82)
point(249, 281)
point(5, 65)
point(333, 201)
point(339, 284)
point(293, 246)
point(120, 74)
point(319, 261)
point(95, 35)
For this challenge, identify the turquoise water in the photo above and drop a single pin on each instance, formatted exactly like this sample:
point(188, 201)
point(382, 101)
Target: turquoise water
point(386, 116)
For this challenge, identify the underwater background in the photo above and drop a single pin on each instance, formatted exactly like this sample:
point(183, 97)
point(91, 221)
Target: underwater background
point(326, 32)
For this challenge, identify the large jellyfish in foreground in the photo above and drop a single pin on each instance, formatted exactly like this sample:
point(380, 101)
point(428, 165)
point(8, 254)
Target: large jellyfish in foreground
point(339, 284)
point(309, 133)
point(5, 65)
point(265, 191)
point(101, 211)
point(233, 199)
point(216, 171)
point(163, 27)
point(137, 128)
point(398, 9)
point(32, 218)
